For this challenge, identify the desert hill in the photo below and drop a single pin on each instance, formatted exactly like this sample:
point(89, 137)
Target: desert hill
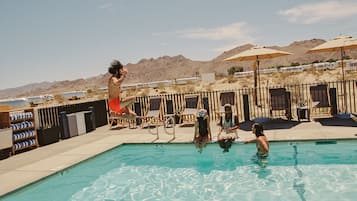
point(167, 68)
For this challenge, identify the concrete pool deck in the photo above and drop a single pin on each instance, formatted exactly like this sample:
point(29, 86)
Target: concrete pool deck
point(25, 168)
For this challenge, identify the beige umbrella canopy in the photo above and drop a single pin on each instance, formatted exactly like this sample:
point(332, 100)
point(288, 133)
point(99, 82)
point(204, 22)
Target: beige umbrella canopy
point(341, 44)
point(256, 54)
point(337, 44)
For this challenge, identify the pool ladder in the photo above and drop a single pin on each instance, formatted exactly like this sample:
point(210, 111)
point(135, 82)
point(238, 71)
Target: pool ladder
point(168, 123)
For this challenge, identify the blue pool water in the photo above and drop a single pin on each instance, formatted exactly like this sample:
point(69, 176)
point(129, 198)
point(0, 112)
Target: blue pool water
point(293, 171)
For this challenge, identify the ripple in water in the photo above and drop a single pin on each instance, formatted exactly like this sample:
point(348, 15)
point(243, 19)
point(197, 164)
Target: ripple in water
point(317, 182)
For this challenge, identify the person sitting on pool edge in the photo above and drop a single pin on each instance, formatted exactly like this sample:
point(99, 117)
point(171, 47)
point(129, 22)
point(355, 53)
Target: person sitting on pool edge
point(202, 130)
point(229, 124)
point(261, 140)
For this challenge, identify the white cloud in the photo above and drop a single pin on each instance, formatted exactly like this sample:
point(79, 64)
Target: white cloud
point(317, 12)
point(232, 35)
point(236, 31)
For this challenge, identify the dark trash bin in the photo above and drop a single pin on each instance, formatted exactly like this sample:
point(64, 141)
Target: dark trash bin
point(64, 125)
point(92, 117)
point(48, 136)
point(89, 120)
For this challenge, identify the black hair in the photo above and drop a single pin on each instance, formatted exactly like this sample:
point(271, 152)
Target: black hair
point(225, 144)
point(230, 114)
point(112, 70)
point(202, 126)
point(259, 130)
point(115, 67)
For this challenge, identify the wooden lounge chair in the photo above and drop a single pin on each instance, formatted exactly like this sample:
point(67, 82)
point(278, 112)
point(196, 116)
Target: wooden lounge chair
point(188, 115)
point(280, 103)
point(153, 112)
point(123, 120)
point(225, 98)
point(120, 120)
point(320, 99)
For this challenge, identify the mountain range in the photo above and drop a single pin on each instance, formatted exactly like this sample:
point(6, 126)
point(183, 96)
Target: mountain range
point(171, 67)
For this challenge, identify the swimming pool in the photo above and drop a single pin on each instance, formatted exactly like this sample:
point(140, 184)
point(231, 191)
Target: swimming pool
point(294, 171)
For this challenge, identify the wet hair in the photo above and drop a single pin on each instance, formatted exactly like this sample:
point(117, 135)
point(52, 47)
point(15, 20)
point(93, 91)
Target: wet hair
point(115, 66)
point(259, 130)
point(202, 126)
point(225, 144)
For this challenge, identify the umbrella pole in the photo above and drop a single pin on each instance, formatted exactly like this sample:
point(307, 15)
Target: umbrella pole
point(259, 87)
point(343, 81)
point(255, 84)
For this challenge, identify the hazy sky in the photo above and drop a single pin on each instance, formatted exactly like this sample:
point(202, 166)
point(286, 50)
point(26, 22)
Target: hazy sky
point(54, 40)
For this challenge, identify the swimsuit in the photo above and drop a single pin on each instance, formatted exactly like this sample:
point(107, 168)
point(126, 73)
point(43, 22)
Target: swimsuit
point(226, 125)
point(114, 105)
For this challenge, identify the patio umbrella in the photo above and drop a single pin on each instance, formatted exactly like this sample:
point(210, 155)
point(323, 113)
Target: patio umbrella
point(341, 44)
point(256, 54)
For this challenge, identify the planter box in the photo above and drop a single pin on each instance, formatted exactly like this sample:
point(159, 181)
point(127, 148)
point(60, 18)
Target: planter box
point(5, 138)
point(5, 153)
point(48, 135)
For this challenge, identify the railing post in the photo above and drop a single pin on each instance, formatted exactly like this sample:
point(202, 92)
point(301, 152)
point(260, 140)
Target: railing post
point(137, 110)
point(246, 107)
point(205, 104)
point(333, 100)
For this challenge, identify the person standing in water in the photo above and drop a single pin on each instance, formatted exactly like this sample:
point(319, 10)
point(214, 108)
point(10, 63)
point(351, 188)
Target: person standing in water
point(260, 139)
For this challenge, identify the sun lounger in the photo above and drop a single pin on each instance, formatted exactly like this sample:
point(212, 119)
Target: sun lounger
point(188, 115)
point(320, 99)
point(280, 103)
point(153, 113)
point(226, 98)
point(120, 120)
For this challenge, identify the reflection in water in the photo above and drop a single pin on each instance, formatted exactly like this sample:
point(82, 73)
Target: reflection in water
point(159, 148)
point(262, 171)
point(299, 185)
point(261, 161)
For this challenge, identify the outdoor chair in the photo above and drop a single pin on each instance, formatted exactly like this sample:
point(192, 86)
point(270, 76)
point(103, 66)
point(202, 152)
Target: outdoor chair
point(120, 120)
point(280, 103)
point(320, 99)
point(153, 114)
point(225, 98)
point(188, 115)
